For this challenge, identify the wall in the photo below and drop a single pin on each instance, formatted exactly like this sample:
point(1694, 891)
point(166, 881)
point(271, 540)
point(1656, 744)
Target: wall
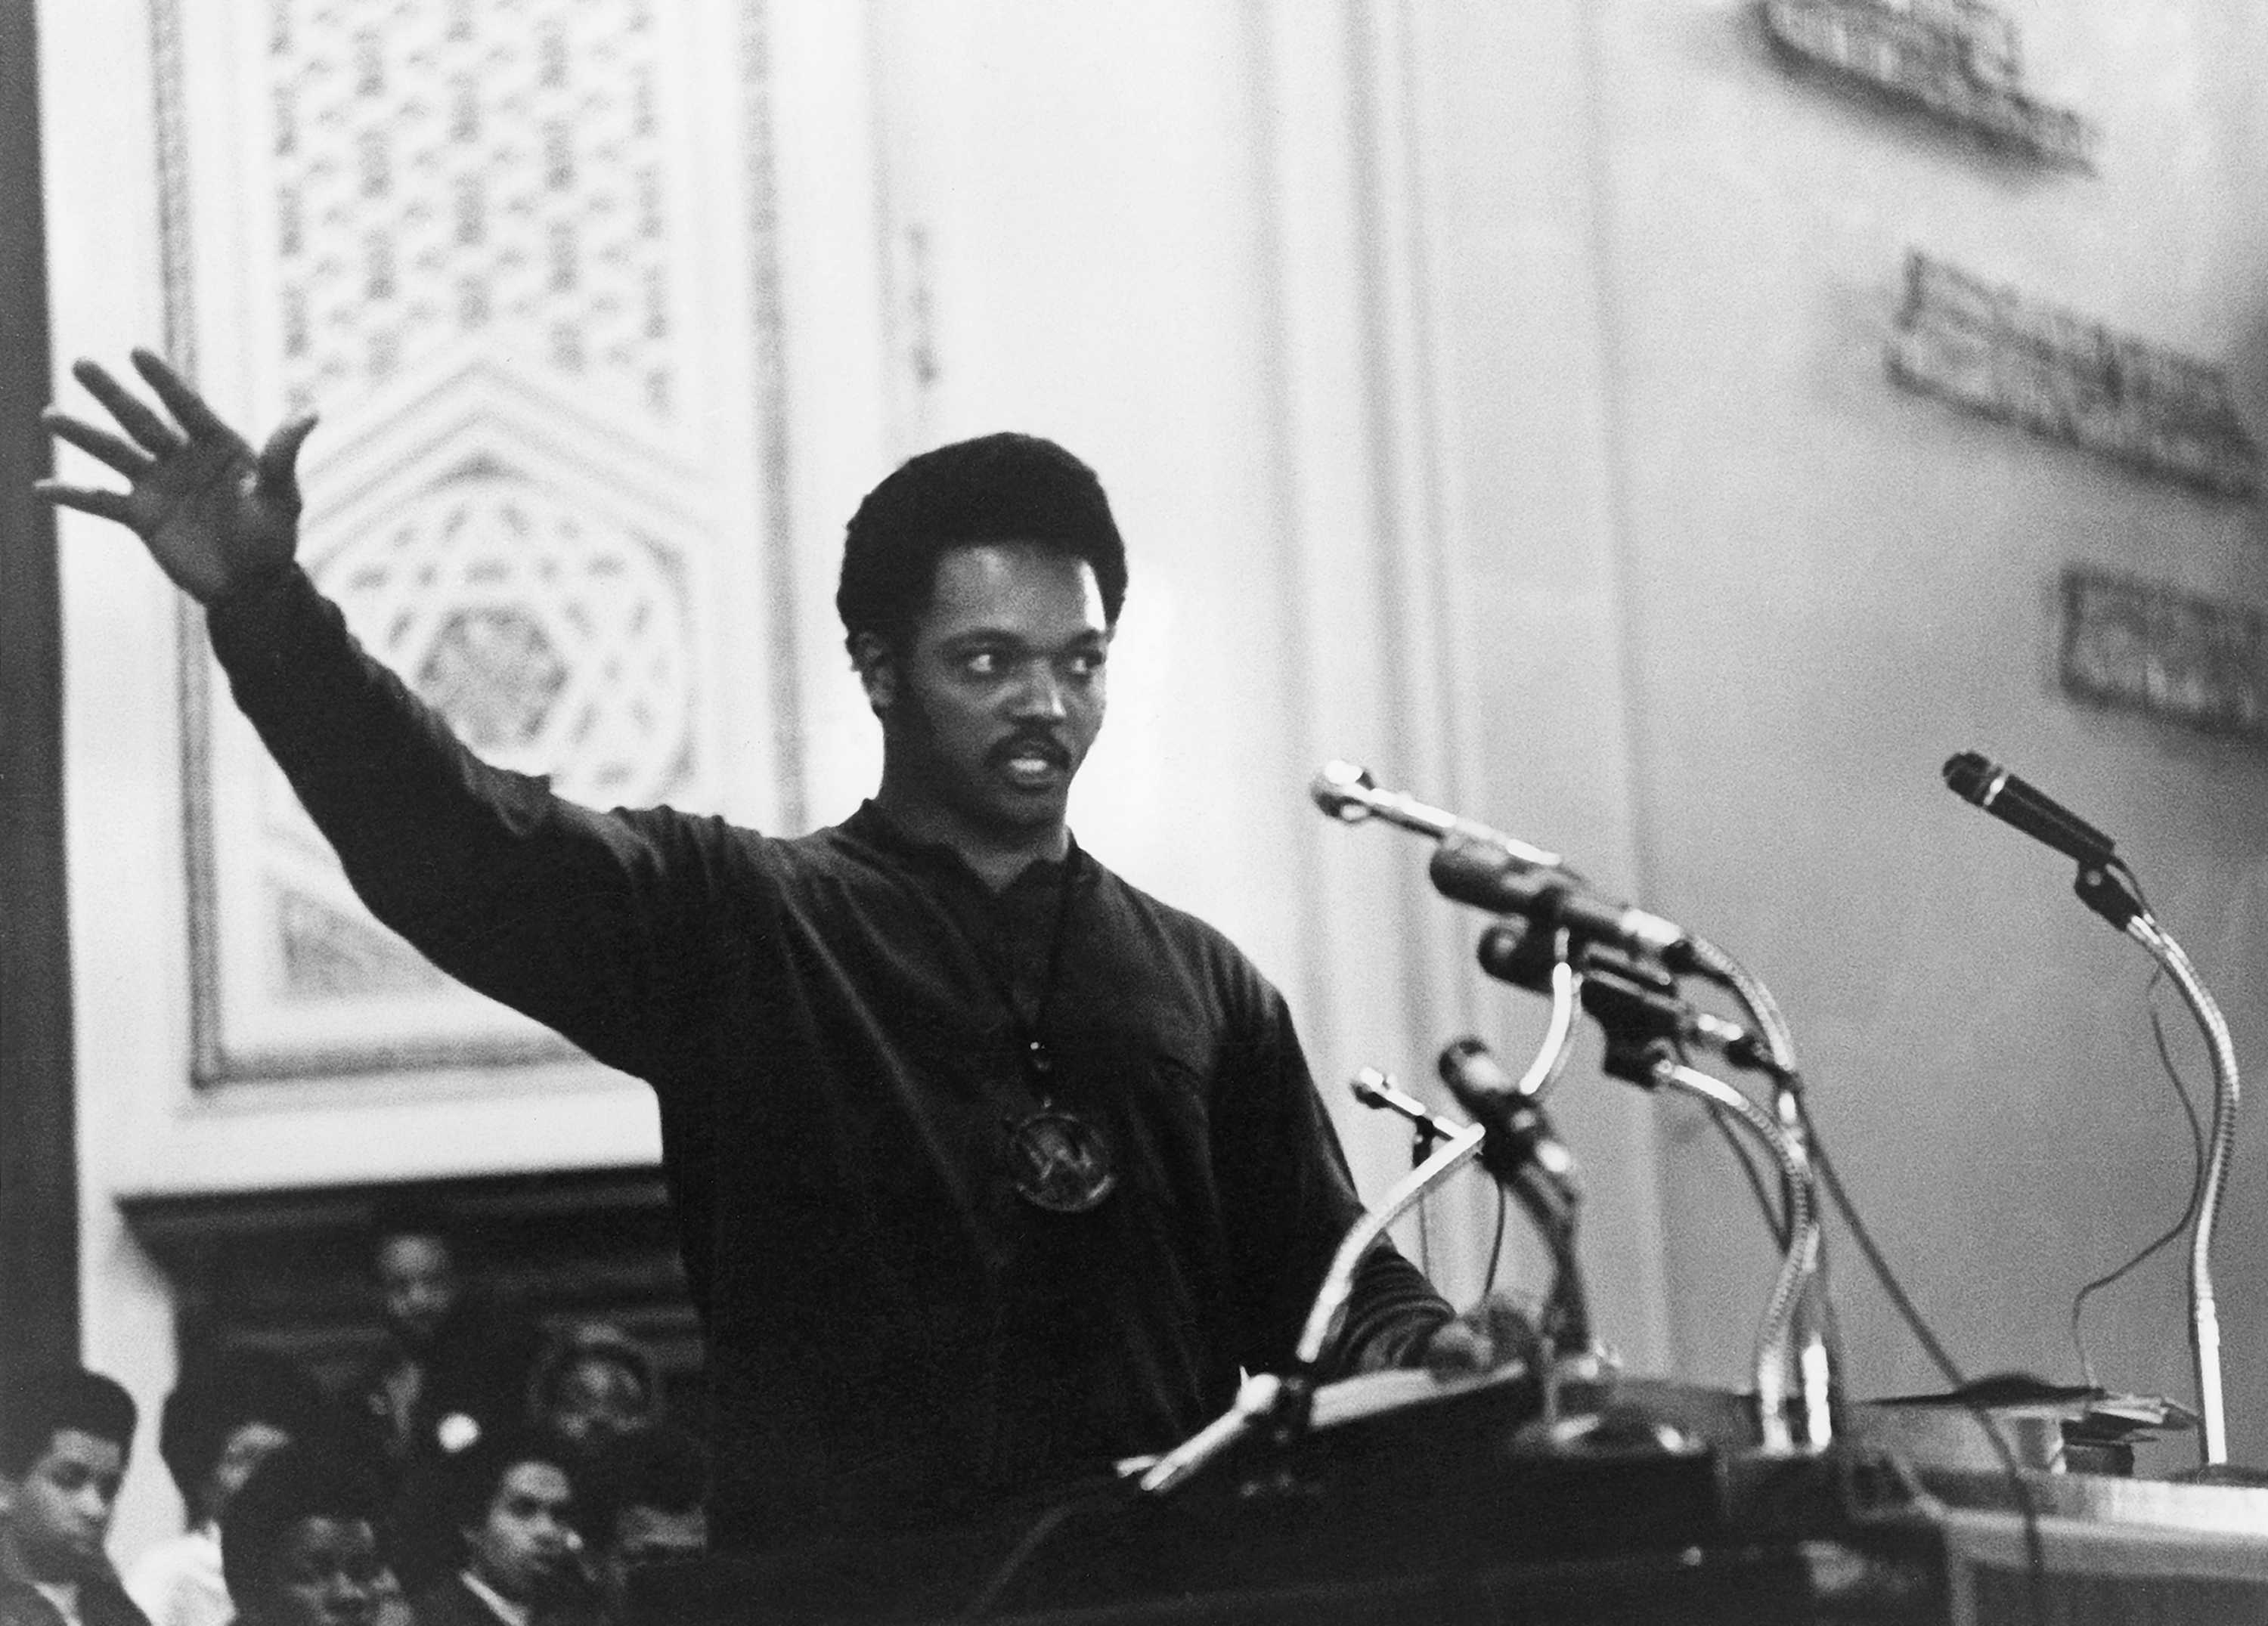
point(1823, 586)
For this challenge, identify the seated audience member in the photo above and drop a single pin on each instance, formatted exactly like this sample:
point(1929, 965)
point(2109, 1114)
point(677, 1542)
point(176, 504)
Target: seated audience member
point(301, 1543)
point(454, 1367)
point(65, 1440)
point(593, 1384)
point(230, 1410)
point(455, 1362)
point(511, 1499)
point(646, 1504)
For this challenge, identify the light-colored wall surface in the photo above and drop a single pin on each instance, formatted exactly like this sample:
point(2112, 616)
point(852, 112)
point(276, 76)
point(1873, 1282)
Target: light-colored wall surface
point(1494, 394)
point(1830, 585)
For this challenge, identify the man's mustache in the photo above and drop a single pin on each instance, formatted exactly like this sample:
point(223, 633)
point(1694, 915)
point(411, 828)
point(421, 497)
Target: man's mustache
point(1030, 742)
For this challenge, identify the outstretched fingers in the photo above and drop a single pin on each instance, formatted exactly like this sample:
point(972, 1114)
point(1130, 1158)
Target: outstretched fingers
point(102, 504)
point(99, 443)
point(187, 407)
point(156, 437)
point(279, 458)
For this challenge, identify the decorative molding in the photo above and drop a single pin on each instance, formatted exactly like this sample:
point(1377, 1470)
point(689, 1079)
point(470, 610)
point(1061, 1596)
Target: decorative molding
point(286, 1270)
point(473, 232)
point(2024, 362)
point(441, 171)
point(1954, 61)
point(768, 309)
point(2145, 646)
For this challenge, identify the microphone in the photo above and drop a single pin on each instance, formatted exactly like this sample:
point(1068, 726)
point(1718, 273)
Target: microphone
point(1626, 996)
point(1374, 1088)
point(1470, 872)
point(2040, 816)
point(1256, 1401)
point(1349, 794)
point(1519, 1134)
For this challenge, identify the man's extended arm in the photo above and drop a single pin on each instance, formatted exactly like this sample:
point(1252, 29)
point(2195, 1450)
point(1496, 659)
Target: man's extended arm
point(586, 922)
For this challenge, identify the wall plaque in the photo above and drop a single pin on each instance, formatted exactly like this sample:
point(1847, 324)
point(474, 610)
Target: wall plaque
point(2145, 646)
point(1953, 60)
point(1990, 351)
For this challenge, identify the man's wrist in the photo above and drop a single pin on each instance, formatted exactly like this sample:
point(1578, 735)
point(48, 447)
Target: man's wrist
point(262, 586)
point(254, 625)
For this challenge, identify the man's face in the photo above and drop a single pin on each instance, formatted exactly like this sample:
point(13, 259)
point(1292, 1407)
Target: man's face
point(646, 1536)
point(989, 714)
point(327, 1573)
point(419, 1279)
point(522, 1546)
point(60, 1512)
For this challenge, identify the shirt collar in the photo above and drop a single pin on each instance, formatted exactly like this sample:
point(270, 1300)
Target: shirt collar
point(872, 827)
point(63, 1595)
point(505, 1609)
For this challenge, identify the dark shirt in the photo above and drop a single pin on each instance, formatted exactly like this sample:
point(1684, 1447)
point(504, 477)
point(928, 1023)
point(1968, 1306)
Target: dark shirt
point(474, 1372)
point(451, 1602)
point(102, 1601)
point(830, 1024)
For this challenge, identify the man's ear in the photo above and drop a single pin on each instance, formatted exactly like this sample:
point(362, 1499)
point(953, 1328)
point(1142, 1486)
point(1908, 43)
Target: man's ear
point(878, 670)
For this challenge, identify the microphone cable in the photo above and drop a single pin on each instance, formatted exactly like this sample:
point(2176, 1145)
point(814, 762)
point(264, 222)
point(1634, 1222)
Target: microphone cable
point(988, 1597)
point(2197, 1184)
point(2036, 1559)
point(1496, 1245)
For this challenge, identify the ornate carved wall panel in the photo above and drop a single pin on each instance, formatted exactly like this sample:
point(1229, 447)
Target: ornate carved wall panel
point(512, 251)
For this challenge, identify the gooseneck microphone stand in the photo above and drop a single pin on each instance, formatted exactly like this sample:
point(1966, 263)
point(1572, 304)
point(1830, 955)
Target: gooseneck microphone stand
point(2106, 885)
point(1817, 1361)
point(1281, 1406)
point(1776, 1338)
point(2111, 894)
point(1625, 957)
point(1647, 1031)
point(1330, 1303)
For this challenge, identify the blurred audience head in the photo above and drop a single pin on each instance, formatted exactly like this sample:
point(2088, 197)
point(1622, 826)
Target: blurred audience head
point(511, 1497)
point(65, 1436)
point(414, 1255)
point(231, 1409)
point(646, 1504)
point(301, 1542)
point(592, 1385)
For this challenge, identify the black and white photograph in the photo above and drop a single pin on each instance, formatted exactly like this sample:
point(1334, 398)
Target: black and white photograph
point(1125, 813)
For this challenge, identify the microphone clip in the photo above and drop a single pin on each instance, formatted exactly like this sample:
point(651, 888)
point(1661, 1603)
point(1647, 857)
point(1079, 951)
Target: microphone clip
point(2110, 891)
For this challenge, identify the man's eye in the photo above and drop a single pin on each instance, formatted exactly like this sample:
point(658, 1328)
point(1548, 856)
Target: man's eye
point(1087, 665)
point(982, 663)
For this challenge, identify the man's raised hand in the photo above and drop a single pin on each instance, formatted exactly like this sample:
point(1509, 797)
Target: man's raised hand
point(216, 517)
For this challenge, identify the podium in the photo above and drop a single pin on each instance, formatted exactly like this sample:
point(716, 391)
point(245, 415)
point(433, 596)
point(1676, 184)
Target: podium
point(1460, 1508)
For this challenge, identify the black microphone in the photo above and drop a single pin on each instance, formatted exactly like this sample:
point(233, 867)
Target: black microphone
point(1630, 998)
point(1478, 873)
point(1519, 1134)
point(2043, 818)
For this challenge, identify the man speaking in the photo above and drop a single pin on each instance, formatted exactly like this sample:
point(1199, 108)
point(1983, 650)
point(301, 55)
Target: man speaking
point(989, 1168)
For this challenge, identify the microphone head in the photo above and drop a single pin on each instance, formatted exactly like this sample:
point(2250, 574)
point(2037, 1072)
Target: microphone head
point(1338, 787)
point(1970, 774)
point(1470, 1069)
